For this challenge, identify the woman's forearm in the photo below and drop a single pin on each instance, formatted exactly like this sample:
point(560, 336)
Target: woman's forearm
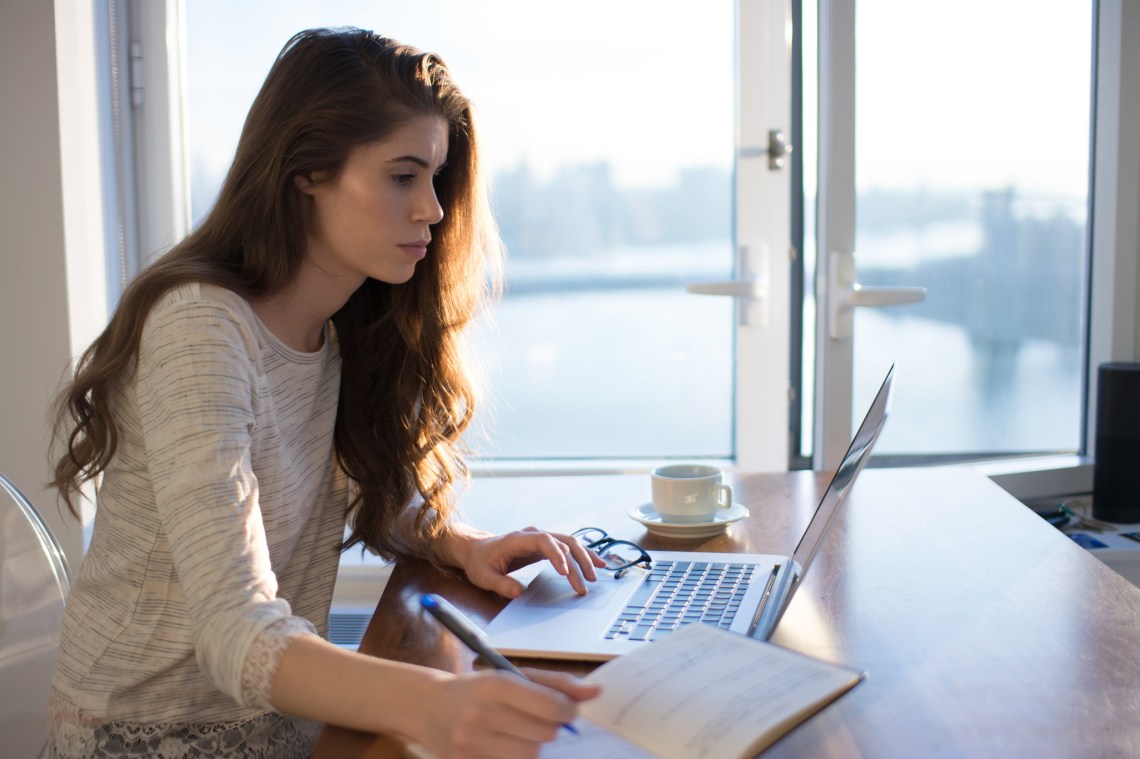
point(486, 713)
point(319, 681)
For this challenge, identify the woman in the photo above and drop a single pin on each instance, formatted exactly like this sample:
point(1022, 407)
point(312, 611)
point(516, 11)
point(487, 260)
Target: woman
point(293, 362)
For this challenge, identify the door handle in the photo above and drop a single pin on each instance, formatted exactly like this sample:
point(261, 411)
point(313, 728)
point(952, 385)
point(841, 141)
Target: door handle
point(737, 288)
point(750, 289)
point(845, 295)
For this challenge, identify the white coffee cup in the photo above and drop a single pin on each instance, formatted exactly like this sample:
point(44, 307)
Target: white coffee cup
point(689, 492)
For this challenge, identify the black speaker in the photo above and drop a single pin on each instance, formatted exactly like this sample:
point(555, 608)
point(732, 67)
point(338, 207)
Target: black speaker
point(1116, 471)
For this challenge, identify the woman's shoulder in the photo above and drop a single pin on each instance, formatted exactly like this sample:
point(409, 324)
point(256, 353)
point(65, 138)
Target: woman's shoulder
point(200, 317)
point(199, 295)
point(196, 306)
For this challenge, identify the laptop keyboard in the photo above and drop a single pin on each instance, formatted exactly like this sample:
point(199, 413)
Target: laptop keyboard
point(679, 593)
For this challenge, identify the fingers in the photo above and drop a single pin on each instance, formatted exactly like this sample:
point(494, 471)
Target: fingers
point(559, 550)
point(504, 725)
point(581, 564)
point(587, 559)
point(544, 699)
point(505, 716)
point(569, 559)
point(495, 730)
point(573, 687)
point(507, 587)
point(566, 554)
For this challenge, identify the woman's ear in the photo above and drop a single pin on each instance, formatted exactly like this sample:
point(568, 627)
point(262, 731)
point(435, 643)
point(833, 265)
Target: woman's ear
point(304, 183)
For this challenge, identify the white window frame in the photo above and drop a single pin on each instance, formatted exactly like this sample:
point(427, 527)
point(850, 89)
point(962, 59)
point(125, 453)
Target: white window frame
point(763, 348)
point(763, 236)
point(152, 157)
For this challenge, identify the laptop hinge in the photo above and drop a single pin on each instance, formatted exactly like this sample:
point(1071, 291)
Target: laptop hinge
point(768, 614)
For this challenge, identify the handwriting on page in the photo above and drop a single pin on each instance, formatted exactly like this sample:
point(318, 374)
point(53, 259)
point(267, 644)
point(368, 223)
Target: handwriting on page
point(706, 693)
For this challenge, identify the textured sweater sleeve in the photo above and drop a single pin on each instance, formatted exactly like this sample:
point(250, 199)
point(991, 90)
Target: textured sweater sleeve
point(196, 386)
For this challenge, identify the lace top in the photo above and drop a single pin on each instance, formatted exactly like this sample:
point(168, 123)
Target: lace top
point(215, 541)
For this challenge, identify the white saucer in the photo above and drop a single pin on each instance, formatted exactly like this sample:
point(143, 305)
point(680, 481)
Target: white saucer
point(648, 516)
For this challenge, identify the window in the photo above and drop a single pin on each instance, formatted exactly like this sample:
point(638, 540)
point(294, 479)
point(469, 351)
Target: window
point(774, 391)
point(610, 147)
point(968, 169)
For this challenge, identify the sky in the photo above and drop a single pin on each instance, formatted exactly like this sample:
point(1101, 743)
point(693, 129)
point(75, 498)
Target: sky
point(971, 93)
point(646, 84)
point(985, 92)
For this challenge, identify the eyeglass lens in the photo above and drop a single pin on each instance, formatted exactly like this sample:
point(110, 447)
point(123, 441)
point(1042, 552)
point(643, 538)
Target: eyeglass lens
point(590, 535)
point(619, 556)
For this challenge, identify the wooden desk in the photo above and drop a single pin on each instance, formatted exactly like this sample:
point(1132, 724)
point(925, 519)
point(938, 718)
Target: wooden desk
point(985, 632)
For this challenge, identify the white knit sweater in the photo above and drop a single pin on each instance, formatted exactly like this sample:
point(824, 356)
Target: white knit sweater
point(215, 541)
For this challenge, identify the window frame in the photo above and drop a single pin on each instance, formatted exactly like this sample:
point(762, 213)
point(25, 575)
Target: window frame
point(160, 171)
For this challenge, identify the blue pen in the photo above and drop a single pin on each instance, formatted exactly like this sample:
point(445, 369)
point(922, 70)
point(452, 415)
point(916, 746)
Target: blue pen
point(472, 637)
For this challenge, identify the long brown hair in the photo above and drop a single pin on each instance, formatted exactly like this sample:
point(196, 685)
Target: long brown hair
point(406, 396)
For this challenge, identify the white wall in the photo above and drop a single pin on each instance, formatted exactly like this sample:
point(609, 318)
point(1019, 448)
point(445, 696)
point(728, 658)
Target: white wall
point(51, 280)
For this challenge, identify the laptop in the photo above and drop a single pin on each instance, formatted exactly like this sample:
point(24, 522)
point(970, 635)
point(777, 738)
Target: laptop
point(744, 593)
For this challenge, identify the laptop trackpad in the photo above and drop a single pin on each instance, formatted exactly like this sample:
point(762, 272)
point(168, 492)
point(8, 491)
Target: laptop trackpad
point(552, 591)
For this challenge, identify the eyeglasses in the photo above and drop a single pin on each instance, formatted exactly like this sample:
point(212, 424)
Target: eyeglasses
point(620, 555)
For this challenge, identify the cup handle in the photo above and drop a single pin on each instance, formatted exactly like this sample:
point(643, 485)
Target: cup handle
point(724, 491)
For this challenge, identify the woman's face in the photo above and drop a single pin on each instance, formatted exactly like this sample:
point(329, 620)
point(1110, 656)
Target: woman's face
point(374, 219)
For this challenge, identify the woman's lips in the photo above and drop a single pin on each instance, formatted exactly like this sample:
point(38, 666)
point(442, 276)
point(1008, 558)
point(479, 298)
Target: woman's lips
point(417, 250)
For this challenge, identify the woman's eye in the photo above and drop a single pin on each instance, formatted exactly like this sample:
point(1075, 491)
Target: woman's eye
point(403, 179)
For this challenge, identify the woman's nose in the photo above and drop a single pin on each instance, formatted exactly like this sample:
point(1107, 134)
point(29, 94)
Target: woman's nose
point(429, 208)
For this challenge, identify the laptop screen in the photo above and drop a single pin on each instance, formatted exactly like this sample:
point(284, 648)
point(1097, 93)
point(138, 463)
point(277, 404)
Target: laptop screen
point(857, 454)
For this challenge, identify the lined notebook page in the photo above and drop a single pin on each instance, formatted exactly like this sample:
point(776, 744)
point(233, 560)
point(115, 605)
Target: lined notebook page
point(703, 693)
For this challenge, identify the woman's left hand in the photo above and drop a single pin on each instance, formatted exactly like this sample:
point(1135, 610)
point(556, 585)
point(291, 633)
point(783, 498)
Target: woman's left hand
point(487, 559)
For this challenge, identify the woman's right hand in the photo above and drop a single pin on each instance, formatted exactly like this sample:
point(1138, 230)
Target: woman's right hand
point(497, 714)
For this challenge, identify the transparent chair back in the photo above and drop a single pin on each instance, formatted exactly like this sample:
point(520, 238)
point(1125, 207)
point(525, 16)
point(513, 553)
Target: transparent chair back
point(34, 582)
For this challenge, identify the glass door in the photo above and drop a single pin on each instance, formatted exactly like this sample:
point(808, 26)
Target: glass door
point(954, 156)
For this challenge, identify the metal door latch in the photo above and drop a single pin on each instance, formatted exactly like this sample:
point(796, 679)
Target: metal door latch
point(776, 150)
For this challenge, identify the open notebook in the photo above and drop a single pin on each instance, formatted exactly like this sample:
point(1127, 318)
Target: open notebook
point(744, 593)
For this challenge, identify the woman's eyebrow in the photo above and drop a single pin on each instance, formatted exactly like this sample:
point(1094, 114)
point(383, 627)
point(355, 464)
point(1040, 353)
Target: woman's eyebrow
point(410, 159)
